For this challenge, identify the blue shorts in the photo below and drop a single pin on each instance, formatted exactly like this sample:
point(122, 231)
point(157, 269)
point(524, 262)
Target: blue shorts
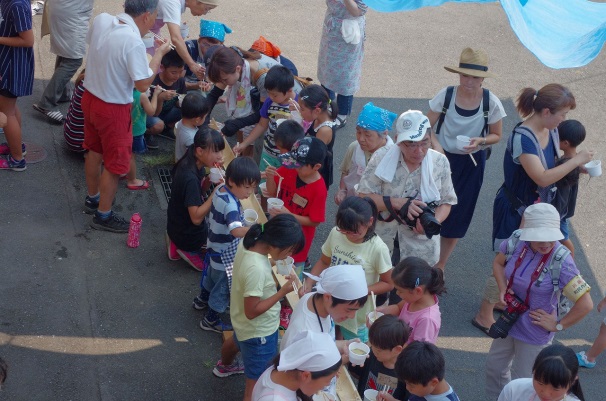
point(257, 354)
point(139, 145)
point(564, 228)
point(170, 117)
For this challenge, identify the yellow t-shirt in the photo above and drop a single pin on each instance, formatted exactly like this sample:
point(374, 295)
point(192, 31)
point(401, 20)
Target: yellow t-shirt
point(252, 277)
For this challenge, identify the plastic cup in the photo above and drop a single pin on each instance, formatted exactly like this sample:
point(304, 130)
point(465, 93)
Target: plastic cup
point(263, 188)
point(184, 30)
point(594, 168)
point(215, 175)
point(148, 40)
point(370, 395)
point(274, 203)
point(462, 141)
point(356, 188)
point(323, 396)
point(358, 353)
point(250, 217)
point(372, 316)
point(284, 266)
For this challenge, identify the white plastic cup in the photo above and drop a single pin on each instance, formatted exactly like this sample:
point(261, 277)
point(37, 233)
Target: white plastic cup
point(594, 168)
point(462, 141)
point(148, 40)
point(184, 30)
point(323, 396)
point(263, 188)
point(358, 353)
point(250, 217)
point(372, 316)
point(356, 188)
point(215, 175)
point(370, 395)
point(284, 266)
point(274, 203)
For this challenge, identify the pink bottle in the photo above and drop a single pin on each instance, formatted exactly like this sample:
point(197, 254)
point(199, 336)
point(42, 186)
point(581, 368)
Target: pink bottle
point(134, 231)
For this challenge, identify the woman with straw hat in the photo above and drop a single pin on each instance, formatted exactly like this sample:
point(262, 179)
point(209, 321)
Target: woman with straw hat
point(461, 114)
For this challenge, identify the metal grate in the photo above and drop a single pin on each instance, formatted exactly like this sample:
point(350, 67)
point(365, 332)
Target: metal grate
point(166, 180)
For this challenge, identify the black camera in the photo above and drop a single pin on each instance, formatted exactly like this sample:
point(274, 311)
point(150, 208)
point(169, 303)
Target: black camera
point(428, 219)
point(515, 308)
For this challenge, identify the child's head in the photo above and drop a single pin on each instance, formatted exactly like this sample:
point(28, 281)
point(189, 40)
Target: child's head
point(413, 277)
point(242, 176)
point(388, 335)
point(373, 127)
point(287, 133)
point(555, 373)
point(172, 67)
point(314, 100)
point(212, 33)
point(572, 133)
point(421, 367)
point(280, 83)
point(283, 235)
point(357, 218)
point(195, 108)
point(207, 149)
point(306, 155)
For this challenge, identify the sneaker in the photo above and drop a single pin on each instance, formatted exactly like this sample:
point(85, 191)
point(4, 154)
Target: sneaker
point(285, 313)
point(90, 205)
point(114, 224)
point(236, 368)
point(217, 326)
point(151, 142)
point(194, 259)
point(199, 304)
point(171, 248)
point(5, 150)
point(9, 163)
point(168, 133)
point(340, 123)
point(583, 362)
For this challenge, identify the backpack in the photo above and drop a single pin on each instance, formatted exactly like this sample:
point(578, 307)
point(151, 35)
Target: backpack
point(485, 107)
point(554, 268)
point(303, 81)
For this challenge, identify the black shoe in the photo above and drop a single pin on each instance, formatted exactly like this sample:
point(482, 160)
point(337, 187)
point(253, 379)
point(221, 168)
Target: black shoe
point(340, 123)
point(114, 224)
point(151, 142)
point(199, 303)
point(90, 205)
point(168, 133)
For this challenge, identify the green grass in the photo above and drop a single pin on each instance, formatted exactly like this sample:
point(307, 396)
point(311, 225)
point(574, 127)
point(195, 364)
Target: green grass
point(162, 159)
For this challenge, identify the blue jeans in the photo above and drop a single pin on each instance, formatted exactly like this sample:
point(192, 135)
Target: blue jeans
point(139, 145)
point(257, 354)
point(171, 116)
point(215, 282)
point(344, 103)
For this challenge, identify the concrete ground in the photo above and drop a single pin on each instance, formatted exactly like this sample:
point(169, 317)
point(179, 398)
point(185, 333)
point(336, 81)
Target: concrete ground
point(83, 317)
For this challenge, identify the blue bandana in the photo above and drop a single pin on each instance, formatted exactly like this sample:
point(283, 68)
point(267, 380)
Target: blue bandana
point(375, 118)
point(212, 29)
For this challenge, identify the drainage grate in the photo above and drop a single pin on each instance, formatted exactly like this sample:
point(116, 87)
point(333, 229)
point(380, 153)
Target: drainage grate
point(166, 180)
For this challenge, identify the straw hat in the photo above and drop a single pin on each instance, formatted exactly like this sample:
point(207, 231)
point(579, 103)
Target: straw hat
point(473, 63)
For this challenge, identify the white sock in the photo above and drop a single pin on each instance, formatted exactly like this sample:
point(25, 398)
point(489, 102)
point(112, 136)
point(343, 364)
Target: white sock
point(342, 117)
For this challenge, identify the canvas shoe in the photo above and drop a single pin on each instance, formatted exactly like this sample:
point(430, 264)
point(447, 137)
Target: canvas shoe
point(236, 368)
point(583, 362)
point(5, 150)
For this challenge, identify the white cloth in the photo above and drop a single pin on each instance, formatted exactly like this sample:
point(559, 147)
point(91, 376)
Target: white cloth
point(266, 390)
point(310, 352)
point(523, 390)
point(116, 58)
point(303, 319)
point(350, 29)
point(237, 102)
point(171, 10)
point(184, 136)
point(68, 23)
point(346, 282)
point(386, 171)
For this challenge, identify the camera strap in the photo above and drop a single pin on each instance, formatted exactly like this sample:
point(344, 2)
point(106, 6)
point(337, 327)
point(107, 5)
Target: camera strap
point(535, 274)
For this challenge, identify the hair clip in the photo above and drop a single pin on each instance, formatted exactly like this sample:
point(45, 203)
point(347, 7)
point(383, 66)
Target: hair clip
point(417, 282)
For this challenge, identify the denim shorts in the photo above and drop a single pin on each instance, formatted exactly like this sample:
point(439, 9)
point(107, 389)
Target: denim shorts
point(257, 354)
point(171, 116)
point(564, 228)
point(139, 146)
point(215, 282)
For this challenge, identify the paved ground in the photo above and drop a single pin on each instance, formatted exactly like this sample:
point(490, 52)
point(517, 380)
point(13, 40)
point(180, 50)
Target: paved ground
point(83, 317)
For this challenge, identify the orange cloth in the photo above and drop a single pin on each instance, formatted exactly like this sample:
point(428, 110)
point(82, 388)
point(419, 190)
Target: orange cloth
point(264, 46)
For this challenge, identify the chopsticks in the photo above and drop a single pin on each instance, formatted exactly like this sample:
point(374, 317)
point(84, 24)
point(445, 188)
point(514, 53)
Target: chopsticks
point(160, 38)
point(294, 275)
point(220, 168)
point(473, 160)
point(279, 182)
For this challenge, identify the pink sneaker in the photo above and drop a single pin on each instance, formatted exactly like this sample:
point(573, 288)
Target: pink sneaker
point(195, 259)
point(171, 249)
point(5, 150)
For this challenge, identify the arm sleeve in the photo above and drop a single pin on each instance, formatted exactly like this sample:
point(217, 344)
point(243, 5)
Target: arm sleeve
point(136, 62)
point(426, 329)
point(192, 193)
point(496, 110)
point(437, 102)
point(171, 11)
point(447, 192)
point(253, 283)
point(522, 145)
point(212, 98)
point(347, 159)
point(370, 183)
point(22, 16)
point(264, 112)
point(317, 203)
point(573, 286)
point(327, 245)
point(235, 124)
point(382, 257)
point(232, 216)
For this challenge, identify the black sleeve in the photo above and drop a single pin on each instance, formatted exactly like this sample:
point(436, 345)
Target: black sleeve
point(232, 126)
point(212, 98)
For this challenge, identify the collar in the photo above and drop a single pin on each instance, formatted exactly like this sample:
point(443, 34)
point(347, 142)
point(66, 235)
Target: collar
point(128, 20)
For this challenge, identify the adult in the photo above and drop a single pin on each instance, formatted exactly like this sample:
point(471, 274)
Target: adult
point(68, 24)
point(372, 133)
point(116, 63)
point(524, 276)
point(341, 52)
point(529, 167)
point(464, 116)
point(408, 176)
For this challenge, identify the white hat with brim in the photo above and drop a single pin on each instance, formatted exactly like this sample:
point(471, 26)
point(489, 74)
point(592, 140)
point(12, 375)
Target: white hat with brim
point(411, 126)
point(541, 223)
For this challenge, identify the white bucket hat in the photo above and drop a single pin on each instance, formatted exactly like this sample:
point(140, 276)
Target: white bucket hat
point(541, 223)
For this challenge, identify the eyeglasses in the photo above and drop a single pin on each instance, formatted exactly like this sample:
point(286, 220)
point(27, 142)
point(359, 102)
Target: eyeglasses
point(424, 144)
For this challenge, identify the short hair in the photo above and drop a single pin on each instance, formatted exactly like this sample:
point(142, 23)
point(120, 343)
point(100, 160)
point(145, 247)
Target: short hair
point(354, 212)
point(287, 133)
point(572, 131)
point(388, 331)
point(242, 171)
point(172, 59)
point(420, 362)
point(194, 105)
point(279, 78)
point(338, 301)
point(134, 8)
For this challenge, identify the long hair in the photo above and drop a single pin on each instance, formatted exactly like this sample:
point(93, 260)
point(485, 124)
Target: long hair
point(205, 138)
point(558, 366)
point(413, 272)
point(552, 96)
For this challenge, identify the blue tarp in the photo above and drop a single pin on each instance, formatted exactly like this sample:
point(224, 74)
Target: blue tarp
point(560, 33)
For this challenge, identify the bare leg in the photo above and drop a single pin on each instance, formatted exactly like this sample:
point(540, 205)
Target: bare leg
point(248, 390)
point(12, 130)
point(447, 246)
point(598, 346)
point(485, 316)
point(229, 350)
point(131, 176)
point(108, 185)
point(92, 171)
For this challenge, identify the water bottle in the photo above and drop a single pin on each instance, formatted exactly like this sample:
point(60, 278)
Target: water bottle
point(134, 230)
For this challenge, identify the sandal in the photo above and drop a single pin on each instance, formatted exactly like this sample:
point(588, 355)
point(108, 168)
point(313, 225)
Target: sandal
point(55, 115)
point(477, 325)
point(144, 185)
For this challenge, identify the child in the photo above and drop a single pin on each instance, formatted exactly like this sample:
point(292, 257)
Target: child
point(354, 242)
point(186, 231)
point(255, 302)
point(421, 366)
point(287, 133)
point(587, 359)
point(572, 134)
point(171, 83)
point(225, 226)
point(142, 107)
point(17, 71)
point(73, 127)
point(280, 86)
point(554, 378)
point(302, 190)
point(317, 110)
point(193, 111)
point(418, 284)
point(300, 370)
point(388, 335)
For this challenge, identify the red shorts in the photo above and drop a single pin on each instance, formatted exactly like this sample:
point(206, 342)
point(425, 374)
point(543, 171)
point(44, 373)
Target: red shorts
point(108, 131)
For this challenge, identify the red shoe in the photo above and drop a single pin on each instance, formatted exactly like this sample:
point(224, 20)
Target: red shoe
point(194, 259)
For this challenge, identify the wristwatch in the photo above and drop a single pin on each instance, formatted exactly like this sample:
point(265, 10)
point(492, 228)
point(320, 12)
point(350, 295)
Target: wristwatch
point(559, 327)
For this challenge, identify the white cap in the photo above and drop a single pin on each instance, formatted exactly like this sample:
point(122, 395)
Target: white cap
point(411, 126)
point(310, 352)
point(346, 282)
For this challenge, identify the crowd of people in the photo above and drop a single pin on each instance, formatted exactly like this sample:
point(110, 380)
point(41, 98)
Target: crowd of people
point(405, 199)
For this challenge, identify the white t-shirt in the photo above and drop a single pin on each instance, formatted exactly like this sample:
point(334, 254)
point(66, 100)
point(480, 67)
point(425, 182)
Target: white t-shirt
point(455, 124)
point(303, 319)
point(171, 10)
point(184, 136)
point(266, 390)
point(116, 58)
point(522, 390)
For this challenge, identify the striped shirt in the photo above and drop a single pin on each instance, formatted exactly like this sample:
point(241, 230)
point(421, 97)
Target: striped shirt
point(16, 63)
point(73, 128)
point(225, 215)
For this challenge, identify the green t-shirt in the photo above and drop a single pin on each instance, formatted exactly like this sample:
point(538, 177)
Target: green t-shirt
point(138, 114)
